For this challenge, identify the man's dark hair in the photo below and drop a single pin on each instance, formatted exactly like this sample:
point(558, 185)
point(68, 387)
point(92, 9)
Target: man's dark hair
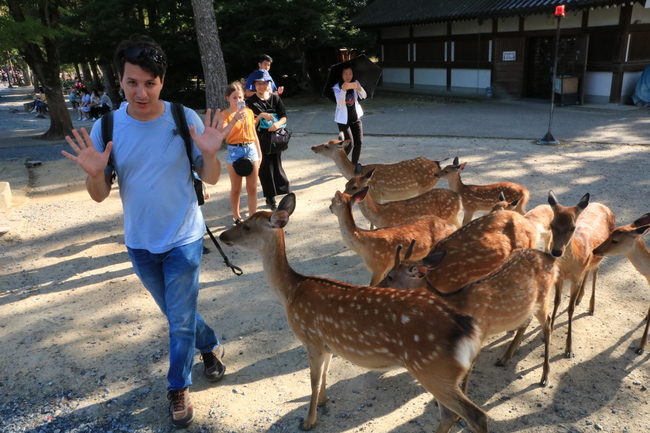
point(263, 57)
point(141, 51)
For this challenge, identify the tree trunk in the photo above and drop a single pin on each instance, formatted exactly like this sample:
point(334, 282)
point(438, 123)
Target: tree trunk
point(78, 72)
point(214, 68)
point(109, 84)
point(88, 76)
point(97, 79)
point(46, 71)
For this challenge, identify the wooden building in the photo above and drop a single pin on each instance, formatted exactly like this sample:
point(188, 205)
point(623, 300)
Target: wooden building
point(509, 46)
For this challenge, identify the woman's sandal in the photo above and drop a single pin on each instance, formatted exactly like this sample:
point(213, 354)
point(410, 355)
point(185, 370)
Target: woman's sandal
point(236, 221)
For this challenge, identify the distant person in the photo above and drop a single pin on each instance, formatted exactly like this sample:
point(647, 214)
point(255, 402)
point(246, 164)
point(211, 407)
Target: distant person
point(84, 105)
point(270, 115)
point(40, 103)
point(74, 98)
point(242, 140)
point(348, 111)
point(263, 62)
point(102, 107)
point(163, 223)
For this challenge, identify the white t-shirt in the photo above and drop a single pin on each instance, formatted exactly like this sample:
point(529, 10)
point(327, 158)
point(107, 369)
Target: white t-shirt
point(155, 182)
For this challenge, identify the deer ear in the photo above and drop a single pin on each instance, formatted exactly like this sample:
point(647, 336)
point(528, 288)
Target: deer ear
point(419, 271)
point(502, 197)
point(514, 203)
point(552, 199)
point(279, 219)
point(455, 162)
point(288, 203)
point(434, 259)
point(369, 174)
point(642, 221)
point(358, 169)
point(462, 166)
point(584, 202)
point(360, 195)
point(642, 230)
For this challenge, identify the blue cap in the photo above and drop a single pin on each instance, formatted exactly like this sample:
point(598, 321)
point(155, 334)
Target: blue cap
point(261, 75)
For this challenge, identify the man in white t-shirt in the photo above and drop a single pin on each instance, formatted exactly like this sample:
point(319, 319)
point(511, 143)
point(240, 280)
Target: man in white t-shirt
point(163, 224)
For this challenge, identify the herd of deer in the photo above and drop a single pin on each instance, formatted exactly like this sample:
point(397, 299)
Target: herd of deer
point(464, 281)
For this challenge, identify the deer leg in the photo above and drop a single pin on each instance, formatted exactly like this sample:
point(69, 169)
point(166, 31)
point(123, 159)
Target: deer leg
point(545, 321)
point(581, 292)
point(453, 403)
point(572, 305)
point(592, 302)
point(322, 394)
point(317, 362)
point(644, 339)
point(516, 342)
point(558, 298)
point(468, 216)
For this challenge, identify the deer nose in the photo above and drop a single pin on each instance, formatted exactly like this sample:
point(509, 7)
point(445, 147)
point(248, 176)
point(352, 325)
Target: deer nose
point(313, 148)
point(556, 253)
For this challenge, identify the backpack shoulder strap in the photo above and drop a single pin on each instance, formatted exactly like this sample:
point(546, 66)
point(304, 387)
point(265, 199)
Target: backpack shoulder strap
point(107, 128)
point(178, 111)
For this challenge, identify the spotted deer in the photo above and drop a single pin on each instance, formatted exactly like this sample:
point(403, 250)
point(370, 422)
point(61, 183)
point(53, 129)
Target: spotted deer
point(482, 197)
point(628, 240)
point(376, 247)
point(398, 181)
point(503, 204)
point(577, 230)
point(373, 328)
point(477, 248)
point(442, 203)
point(505, 300)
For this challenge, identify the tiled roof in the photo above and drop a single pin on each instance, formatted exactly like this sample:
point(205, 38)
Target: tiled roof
point(412, 12)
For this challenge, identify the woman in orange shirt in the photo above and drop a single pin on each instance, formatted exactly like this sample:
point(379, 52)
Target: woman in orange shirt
point(244, 151)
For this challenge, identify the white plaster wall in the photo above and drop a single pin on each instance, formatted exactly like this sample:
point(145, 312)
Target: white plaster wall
point(629, 83)
point(510, 24)
point(604, 17)
point(430, 77)
point(598, 83)
point(395, 32)
point(469, 27)
point(548, 21)
point(469, 77)
point(439, 29)
point(641, 14)
point(396, 75)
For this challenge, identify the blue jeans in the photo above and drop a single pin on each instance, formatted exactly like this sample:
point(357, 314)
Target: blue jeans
point(172, 278)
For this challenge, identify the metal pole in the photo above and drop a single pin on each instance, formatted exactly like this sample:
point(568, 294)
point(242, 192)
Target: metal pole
point(548, 138)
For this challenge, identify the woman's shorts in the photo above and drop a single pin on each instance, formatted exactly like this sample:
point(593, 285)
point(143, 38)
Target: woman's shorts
point(236, 152)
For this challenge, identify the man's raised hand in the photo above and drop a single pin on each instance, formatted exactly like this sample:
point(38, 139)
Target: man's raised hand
point(91, 161)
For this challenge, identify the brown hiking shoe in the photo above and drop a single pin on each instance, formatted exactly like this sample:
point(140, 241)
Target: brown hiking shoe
point(213, 368)
point(180, 407)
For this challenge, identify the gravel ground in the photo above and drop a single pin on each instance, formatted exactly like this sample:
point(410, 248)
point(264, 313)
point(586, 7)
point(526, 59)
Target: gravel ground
point(84, 348)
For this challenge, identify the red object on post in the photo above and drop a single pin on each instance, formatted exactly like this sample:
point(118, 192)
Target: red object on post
point(559, 11)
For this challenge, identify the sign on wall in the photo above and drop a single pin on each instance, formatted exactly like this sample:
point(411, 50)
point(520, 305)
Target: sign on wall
point(509, 56)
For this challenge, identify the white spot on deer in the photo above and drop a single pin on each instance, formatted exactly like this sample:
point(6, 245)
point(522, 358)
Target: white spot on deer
point(466, 351)
point(406, 319)
point(416, 338)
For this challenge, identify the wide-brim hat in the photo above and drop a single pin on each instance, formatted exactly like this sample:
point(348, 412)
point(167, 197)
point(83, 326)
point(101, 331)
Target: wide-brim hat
point(261, 75)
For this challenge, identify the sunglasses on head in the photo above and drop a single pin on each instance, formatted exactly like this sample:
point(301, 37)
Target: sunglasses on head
point(151, 54)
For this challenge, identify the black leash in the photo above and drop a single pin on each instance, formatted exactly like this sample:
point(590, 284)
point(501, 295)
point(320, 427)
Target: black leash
point(235, 269)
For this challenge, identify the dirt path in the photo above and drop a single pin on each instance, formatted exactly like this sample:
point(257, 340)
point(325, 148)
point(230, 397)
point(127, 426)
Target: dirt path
point(84, 348)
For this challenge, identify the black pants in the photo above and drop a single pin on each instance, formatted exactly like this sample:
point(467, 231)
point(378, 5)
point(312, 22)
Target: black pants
point(353, 131)
point(272, 176)
point(99, 110)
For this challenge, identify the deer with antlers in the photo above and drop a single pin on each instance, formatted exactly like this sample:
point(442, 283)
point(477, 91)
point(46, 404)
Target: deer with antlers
point(398, 181)
point(376, 246)
point(373, 328)
point(577, 230)
point(504, 300)
point(482, 197)
point(477, 248)
point(628, 241)
point(442, 203)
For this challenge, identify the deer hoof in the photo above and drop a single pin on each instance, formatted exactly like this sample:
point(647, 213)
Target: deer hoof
point(569, 355)
point(543, 383)
point(639, 351)
point(302, 426)
point(499, 363)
